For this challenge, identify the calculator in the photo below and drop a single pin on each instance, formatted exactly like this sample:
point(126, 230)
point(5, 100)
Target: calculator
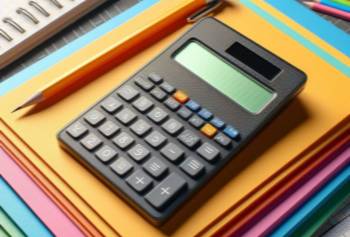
point(161, 135)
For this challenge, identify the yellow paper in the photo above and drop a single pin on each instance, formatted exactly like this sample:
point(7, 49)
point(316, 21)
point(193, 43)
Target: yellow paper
point(320, 107)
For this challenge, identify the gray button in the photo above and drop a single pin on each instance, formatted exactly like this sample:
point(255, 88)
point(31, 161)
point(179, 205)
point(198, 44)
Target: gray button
point(155, 78)
point(76, 130)
point(157, 115)
point(208, 152)
point(138, 152)
point(142, 104)
point(144, 83)
point(155, 139)
point(94, 117)
point(165, 86)
point(123, 140)
point(172, 126)
point(189, 139)
point(128, 93)
point(155, 167)
point(111, 104)
point(91, 141)
point(222, 139)
point(126, 116)
point(106, 153)
point(158, 94)
point(184, 113)
point(121, 166)
point(172, 104)
point(139, 181)
point(172, 152)
point(140, 127)
point(166, 191)
point(192, 167)
point(109, 128)
point(196, 121)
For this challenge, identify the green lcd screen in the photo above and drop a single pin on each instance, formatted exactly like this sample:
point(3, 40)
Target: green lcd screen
point(225, 77)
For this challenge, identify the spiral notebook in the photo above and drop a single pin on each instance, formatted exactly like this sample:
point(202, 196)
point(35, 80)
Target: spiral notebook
point(25, 24)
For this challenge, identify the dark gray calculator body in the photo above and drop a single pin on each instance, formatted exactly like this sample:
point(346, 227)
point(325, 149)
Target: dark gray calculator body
point(162, 134)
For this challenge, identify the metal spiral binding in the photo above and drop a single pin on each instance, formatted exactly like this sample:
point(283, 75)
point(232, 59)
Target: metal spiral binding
point(26, 13)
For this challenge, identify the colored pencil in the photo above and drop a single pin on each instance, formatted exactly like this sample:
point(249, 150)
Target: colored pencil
point(328, 10)
point(333, 4)
point(344, 2)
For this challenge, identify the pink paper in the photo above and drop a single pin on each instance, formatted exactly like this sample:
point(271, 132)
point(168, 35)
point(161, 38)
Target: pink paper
point(280, 212)
point(58, 223)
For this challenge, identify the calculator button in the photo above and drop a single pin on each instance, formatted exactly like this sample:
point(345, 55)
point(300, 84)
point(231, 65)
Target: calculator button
point(126, 116)
point(184, 113)
point(128, 93)
point(192, 167)
point(94, 117)
point(205, 114)
point(109, 128)
point(144, 83)
point(165, 86)
point(111, 104)
point(155, 167)
point(76, 130)
point(138, 152)
point(155, 139)
point(91, 141)
point(196, 121)
point(106, 153)
point(142, 104)
point(193, 105)
point(140, 128)
point(166, 191)
point(121, 166)
point(189, 139)
point(139, 181)
point(181, 97)
point(155, 78)
point(208, 152)
point(218, 123)
point(209, 130)
point(172, 104)
point(223, 140)
point(157, 115)
point(123, 140)
point(172, 126)
point(231, 132)
point(158, 94)
point(172, 152)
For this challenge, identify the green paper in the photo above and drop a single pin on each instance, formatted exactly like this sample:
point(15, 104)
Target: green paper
point(9, 226)
point(343, 2)
point(3, 232)
point(319, 217)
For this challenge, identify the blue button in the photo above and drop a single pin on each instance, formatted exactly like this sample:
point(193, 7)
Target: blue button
point(193, 105)
point(217, 122)
point(231, 132)
point(205, 114)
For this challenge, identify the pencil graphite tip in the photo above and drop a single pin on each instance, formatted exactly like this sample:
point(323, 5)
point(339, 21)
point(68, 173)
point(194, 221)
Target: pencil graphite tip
point(16, 109)
point(36, 98)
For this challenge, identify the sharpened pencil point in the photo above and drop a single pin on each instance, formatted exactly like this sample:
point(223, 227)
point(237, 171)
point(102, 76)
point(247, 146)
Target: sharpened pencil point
point(16, 109)
point(36, 98)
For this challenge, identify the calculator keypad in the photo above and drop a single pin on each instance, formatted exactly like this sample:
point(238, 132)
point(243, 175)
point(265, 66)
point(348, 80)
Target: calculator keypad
point(154, 137)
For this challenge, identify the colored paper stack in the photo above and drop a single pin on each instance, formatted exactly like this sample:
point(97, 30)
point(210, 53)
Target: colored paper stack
point(286, 182)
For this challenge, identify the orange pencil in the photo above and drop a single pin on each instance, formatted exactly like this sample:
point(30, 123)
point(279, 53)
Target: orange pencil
point(77, 75)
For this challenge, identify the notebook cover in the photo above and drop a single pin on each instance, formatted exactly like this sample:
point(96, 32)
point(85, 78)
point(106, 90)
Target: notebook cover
point(36, 199)
point(9, 226)
point(20, 213)
point(278, 138)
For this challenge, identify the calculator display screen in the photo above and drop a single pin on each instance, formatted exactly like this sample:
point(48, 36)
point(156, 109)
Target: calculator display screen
point(224, 76)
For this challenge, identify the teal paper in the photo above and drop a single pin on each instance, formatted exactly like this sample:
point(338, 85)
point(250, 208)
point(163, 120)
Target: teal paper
point(20, 213)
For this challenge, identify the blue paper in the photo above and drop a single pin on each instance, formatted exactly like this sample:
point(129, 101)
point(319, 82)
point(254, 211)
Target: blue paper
point(72, 47)
point(20, 213)
point(288, 226)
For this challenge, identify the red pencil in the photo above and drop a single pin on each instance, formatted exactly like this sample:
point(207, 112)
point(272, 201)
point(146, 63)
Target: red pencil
point(328, 10)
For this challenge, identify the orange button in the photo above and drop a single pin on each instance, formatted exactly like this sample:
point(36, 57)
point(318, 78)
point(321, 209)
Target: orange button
point(181, 97)
point(209, 130)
